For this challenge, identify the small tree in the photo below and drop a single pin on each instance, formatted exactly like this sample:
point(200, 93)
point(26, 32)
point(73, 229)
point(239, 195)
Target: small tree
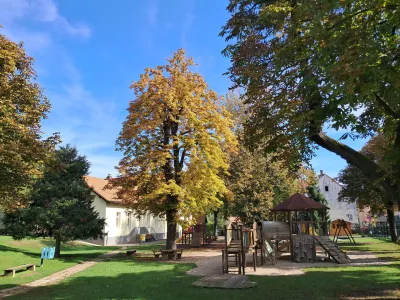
point(22, 107)
point(315, 194)
point(60, 203)
point(175, 142)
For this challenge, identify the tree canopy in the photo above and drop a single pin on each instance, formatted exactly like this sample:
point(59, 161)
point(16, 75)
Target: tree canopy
point(366, 192)
point(22, 107)
point(309, 65)
point(258, 180)
point(60, 203)
point(176, 141)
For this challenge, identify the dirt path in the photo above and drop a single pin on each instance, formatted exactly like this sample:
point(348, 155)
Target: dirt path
point(56, 277)
point(209, 263)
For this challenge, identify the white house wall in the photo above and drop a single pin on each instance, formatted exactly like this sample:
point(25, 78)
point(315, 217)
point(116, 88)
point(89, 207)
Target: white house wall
point(338, 209)
point(100, 206)
point(130, 226)
point(121, 234)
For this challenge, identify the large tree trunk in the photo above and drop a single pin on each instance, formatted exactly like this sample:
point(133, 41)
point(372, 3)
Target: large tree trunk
point(171, 229)
point(215, 222)
point(58, 245)
point(392, 224)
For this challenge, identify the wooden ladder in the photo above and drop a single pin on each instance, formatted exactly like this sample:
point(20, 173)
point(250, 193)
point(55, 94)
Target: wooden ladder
point(232, 257)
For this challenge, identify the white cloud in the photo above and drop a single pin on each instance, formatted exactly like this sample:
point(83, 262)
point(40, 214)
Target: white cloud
point(45, 10)
point(34, 41)
point(89, 122)
point(13, 9)
point(85, 120)
point(41, 11)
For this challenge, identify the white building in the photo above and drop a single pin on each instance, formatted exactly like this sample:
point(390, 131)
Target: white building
point(122, 226)
point(330, 188)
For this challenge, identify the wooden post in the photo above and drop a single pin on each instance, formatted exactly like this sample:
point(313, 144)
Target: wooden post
point(243, 254)
point(223, 261)
point(313, 235)
point(226, 249)
point(290, 234)
point(325, 222)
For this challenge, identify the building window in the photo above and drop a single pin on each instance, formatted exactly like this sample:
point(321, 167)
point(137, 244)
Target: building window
point(129, 219)
point(118, 220)
point(326, 188)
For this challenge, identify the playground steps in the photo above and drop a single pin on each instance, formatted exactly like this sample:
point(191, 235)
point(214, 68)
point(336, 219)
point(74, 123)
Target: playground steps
point(333, 250)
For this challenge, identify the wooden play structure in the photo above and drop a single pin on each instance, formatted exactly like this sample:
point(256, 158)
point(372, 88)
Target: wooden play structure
point(341, 228)
point(239, 241)
point(195, 235)
point(302, 233)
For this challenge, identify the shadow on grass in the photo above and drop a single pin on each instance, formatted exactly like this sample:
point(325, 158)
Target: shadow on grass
point(129, 279)
point(80, 255)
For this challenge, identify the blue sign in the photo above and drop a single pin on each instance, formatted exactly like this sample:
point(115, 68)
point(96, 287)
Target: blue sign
point(47, 253)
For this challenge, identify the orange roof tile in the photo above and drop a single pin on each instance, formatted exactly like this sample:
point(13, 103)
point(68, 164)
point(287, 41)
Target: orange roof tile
point(98, 185)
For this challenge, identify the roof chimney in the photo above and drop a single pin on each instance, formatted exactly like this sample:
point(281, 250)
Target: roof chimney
point(321, 172)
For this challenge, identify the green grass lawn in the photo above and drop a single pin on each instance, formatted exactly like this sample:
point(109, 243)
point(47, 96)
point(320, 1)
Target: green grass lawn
point(125, 278)
point(16, 253)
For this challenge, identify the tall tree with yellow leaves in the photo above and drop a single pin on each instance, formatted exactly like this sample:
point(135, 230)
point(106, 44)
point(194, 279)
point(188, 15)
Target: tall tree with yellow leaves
point(22, 108)
point(175, 141)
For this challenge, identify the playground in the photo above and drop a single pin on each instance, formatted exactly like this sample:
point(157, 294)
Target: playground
point(247, 261)
point(122, 276)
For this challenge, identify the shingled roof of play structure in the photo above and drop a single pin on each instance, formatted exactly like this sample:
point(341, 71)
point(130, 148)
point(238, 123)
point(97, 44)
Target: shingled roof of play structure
point(299, 202)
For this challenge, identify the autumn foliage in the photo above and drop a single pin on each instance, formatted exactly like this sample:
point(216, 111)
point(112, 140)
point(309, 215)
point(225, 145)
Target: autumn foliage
point(175, 142)
point(22, 108)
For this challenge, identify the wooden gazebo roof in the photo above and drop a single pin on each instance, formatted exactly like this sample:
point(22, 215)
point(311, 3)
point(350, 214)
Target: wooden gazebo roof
point(299, 202)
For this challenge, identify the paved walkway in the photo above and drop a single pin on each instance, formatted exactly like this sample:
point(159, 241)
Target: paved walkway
point(55, 277)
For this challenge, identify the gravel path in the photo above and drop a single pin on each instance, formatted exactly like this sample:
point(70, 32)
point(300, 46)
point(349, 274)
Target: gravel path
point(210, 263)
point(56, 277)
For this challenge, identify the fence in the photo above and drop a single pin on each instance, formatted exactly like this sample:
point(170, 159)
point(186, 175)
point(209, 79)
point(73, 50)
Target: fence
point(380, 229)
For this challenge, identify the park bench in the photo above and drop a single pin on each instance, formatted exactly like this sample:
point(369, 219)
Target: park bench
point(156, 253)
point(210, 238)
point(130, 252)
point(8, 271)
point(178, 253)
point(168, 254)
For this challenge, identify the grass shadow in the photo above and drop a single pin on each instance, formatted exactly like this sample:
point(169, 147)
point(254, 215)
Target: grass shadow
point(124, 278)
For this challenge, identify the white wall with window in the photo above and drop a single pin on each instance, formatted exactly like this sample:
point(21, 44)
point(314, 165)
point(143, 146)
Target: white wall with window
point(330, 188)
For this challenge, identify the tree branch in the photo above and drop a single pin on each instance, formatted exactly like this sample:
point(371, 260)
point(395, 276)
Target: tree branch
point(386, 107)
point(349, 17)
point(357, 159)
point(182, 159)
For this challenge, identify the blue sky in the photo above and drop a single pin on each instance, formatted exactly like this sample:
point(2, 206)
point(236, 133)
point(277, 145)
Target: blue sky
point(88, 52)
